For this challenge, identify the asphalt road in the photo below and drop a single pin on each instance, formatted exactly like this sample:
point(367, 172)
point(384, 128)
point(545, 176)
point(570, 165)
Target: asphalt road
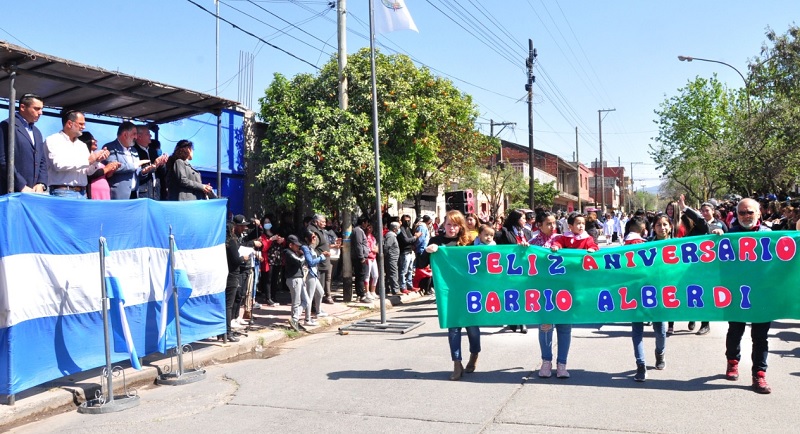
point(367, 382)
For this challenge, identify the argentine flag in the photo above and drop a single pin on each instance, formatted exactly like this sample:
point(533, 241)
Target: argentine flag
point(123, 342)
point(166, 325)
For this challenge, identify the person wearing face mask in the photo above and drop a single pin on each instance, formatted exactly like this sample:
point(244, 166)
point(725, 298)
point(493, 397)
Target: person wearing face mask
point(748, 219)
point(268, 239)
point(406, 239)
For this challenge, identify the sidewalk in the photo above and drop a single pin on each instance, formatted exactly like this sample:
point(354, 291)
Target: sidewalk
point(269, 326)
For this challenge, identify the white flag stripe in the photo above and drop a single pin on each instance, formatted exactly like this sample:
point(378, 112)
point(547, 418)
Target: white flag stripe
point(392, 15)
point(70, 284)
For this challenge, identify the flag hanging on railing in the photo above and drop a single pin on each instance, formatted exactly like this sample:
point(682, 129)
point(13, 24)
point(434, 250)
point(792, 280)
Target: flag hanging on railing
point(166, 327)
point(123, 342)
point(393, 15)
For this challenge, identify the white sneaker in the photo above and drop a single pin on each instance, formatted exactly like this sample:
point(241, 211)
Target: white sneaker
point(322, 314)
point(235, 324)
point(561, 370)
point(365, 299)
point(546, 370)
point(311, 322)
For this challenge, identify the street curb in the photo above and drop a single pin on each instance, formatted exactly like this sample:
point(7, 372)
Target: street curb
point(67, 393)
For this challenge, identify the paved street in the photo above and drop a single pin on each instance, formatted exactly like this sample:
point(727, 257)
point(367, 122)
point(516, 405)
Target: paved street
point(375, 382)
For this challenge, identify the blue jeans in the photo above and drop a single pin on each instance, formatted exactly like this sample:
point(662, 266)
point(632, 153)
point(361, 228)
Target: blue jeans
point(564, 332)
point(638, 345)
point(406, 270)
point(454, 336)
point(69, 194)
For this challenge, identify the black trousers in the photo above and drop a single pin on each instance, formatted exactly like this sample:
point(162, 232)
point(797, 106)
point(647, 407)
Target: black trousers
point(265, 284)
point(324, 277)
point(231, 288)
point(360, 270)
point(758, 333)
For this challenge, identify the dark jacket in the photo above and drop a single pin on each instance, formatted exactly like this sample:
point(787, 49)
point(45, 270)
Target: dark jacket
point(184, 182)
point(406, 240)
point(358, 244)
point(30, 158)
point(506, 236)
point(391, 248)
point(294, 264)
point(439, 240)
point(234, 260)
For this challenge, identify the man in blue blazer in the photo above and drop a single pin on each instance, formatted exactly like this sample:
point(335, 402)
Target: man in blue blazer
point(30, 156)
point(124, 180)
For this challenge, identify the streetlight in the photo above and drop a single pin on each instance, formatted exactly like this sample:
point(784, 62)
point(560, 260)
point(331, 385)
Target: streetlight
point(746, 83)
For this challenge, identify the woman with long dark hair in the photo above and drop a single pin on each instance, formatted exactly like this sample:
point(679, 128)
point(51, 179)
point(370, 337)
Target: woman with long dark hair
point(514, 232)
point(183, 180)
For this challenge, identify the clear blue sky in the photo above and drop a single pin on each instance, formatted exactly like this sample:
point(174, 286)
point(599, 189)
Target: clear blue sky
point(591, 55)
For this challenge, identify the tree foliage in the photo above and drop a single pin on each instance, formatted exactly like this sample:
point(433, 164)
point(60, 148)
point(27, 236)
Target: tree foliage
point(714, 140)
point(427, 133)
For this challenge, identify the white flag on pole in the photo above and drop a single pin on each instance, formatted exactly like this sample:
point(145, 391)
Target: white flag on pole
point(393, 15)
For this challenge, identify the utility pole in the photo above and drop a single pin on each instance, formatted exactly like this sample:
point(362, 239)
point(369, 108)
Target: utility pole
point(595, 183)
point(347, 223)
point(529, 88)
point(630, 197)
point(492, 123)
point(602, 170)
point(578, 168)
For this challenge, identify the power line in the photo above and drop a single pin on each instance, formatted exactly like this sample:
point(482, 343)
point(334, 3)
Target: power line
point(254, 36)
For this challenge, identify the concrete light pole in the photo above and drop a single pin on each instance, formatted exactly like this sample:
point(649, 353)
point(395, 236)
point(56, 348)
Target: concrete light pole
point(746, 82)
point(602, 169)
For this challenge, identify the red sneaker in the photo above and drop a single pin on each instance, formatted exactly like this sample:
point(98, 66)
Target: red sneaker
point(760, 383)
point(732, 373)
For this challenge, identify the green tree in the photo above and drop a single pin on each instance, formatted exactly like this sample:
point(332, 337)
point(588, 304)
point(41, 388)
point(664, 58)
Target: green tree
point(775, 126)
point(697, 133)
point(309, 147)
point(427, 132)
point(496, 183)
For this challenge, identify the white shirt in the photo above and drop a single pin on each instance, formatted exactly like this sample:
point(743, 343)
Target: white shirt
point(67, 161)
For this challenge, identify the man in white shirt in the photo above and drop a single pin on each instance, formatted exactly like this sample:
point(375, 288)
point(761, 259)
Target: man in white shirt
point(69, 161)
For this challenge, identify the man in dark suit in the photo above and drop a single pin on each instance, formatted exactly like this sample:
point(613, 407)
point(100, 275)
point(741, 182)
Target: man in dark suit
point(148, 184)
point(30, 156)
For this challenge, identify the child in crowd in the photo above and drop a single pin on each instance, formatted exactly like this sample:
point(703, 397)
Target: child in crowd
point(635, 230)
point(485, 236)
point(546, 232)
point(575, 238)
point(662, 230)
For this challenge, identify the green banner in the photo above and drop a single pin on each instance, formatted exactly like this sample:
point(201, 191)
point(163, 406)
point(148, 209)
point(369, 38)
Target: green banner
point(749, 277)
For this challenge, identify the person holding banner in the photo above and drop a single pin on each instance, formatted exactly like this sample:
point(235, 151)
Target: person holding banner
point(748, 219)
point(576, 238)
point(662, 230)
point(455, 234)
point(514, 232)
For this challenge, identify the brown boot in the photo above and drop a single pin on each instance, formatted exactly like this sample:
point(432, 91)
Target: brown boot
point(458, 368)
point(473, 360)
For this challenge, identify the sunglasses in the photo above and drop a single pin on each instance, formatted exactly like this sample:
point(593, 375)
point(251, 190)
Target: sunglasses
point(745, 212)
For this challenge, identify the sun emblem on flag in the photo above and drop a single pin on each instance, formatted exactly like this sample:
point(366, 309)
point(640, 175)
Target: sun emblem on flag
point(393, 5)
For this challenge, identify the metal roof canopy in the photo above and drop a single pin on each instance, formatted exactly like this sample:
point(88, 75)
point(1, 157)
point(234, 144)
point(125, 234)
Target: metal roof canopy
point(66, 84)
